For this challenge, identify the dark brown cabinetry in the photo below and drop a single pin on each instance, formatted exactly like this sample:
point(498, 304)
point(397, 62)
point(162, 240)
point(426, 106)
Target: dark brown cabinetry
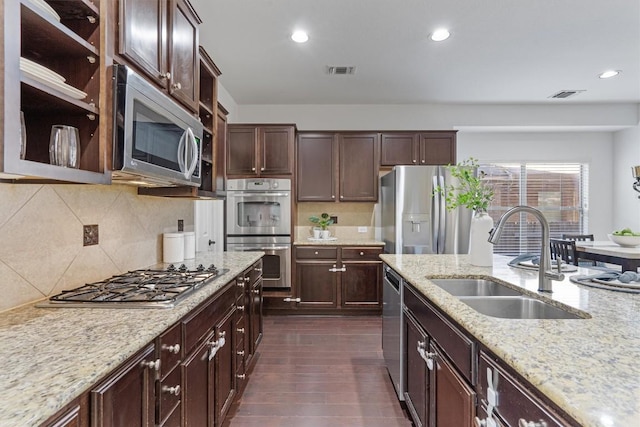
point(347, 173)
point(418, 148)
point(75, 414)
point(439, 382)
point(71, 48)
point(168, 52)
point(208, 113)
point(127, 397)
point(260, 150)
point(338, 279)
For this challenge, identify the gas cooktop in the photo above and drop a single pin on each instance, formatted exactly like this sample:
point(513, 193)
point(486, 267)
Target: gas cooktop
point(138, 289)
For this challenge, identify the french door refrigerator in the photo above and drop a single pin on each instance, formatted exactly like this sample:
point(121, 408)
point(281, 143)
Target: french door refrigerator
point(414, 220)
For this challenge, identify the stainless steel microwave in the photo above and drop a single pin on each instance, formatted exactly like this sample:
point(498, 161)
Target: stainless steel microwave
point(156, 141)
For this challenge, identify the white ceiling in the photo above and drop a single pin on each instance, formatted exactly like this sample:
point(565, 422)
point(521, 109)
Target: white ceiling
point(500, 51)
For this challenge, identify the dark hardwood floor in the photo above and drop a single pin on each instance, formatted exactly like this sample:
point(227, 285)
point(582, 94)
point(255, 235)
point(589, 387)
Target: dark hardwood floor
point(319, 372)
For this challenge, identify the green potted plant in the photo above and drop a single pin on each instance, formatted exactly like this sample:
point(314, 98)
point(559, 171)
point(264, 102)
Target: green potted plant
point(470, 190)
point(322, 225)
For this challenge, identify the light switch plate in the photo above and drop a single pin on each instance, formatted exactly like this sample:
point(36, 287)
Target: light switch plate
point(362, 229)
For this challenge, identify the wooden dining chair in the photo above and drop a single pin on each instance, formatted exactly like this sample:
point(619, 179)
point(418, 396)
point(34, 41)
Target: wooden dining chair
point(582, 238)
point(565, 249)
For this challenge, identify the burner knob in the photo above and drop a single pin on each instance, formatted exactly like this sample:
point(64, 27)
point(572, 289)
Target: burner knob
point(182, 268)
point(212, 268)
point(200, 267)
point(171, 267)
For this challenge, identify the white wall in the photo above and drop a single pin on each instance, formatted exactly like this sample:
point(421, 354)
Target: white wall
point(226, 100)
point(626, 153)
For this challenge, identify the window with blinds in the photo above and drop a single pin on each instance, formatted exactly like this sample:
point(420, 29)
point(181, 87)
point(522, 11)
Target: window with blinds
point(558, 190)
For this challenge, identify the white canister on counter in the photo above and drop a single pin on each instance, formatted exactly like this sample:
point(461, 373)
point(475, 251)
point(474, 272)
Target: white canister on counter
point(189, 245)
point(173, 247)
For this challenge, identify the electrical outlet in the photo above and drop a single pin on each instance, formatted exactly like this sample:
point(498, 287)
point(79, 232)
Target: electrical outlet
point(362, 229)
point(90, 235)
point(334, 218)
point(181, 225)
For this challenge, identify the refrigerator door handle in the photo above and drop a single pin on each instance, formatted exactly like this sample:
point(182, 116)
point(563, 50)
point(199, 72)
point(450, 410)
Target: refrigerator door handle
point(441, 218)
point(435, 222)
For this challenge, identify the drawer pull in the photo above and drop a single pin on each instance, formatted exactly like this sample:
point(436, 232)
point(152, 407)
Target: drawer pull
point(288, 299)
point(361, 253)
point(427, 357)
point(259, 270)
point(215, 346)
point(240, 307)
point(240, 283)
point(241, 376)
point(256, 291)
point(175, 349)
point(240, 353)
point(177, 86)
point(316, 253)
point(523, 423)
point(240, 330)
point(153, 364)
point(171, 390)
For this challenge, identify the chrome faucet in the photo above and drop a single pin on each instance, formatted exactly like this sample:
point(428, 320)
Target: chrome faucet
point(545, 276)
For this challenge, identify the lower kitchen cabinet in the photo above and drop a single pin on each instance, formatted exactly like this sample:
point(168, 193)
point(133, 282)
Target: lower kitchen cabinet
point(127, 397)
point(338, 279)
point(417, 383)
point(188, 376)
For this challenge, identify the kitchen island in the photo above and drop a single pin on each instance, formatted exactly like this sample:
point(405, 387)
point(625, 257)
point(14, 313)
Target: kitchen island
point(50, 356)
point(588, 367)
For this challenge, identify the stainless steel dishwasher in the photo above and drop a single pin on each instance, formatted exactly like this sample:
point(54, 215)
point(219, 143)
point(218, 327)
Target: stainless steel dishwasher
point(393, 328)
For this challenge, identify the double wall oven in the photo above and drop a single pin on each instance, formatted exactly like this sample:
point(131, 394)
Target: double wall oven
point(259, 219)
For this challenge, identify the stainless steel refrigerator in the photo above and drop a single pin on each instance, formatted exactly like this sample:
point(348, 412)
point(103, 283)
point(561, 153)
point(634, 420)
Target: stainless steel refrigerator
point(414, 220)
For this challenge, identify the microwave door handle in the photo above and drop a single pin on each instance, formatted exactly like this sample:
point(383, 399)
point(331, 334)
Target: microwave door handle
point(196, 157)
point(182, 152)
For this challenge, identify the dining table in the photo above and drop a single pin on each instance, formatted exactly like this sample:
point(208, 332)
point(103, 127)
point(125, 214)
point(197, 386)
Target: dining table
point(606, 251)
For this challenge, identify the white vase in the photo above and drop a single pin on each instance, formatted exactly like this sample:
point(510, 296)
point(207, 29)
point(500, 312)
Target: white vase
point(325, 234)
point(480, 250)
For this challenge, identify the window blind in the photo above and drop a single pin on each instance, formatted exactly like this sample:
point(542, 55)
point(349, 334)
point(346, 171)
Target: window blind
point(558, 190)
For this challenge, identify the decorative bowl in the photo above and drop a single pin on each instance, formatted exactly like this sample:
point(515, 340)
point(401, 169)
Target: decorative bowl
point(625, 241)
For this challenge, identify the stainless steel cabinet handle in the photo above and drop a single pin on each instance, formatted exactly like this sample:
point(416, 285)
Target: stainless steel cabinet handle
point(240, 330)
point(315, 253)
point(259, 270)
point(427, 357)
point(175, 349)
point(342, 197)
point(247, 279)
point(256, 291)
point(240, 353)
point(240, 283)
point(415, 161)
point(177, 86)
point(424, 161)
point(171, 390)
point(240, 307)
point(241, 376)
point(287, 299)
point(253, 169)
point(333, 196)
point(153, 364)
point(165, 76)
point(262, 168)
point(523, 423)
point(361, 253)
point(222, 334)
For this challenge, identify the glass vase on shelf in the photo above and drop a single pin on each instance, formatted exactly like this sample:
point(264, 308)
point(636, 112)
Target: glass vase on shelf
point(480, 250)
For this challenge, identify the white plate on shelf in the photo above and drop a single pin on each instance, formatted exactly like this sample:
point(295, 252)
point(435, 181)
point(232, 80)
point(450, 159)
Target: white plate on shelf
point(44, 72)
point(44, 7)
point(328, 239)
point(59, 86)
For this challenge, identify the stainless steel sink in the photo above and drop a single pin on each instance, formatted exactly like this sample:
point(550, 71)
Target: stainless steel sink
point(475, 287)
point(521, 307)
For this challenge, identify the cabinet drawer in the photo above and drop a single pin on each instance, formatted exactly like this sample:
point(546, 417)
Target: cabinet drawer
point(316, 252)
point(361, 253)
point(170, 393)
point(515, 401)
point(455, 344)
point(170, 348)
point(256, 272)
point(199, 324)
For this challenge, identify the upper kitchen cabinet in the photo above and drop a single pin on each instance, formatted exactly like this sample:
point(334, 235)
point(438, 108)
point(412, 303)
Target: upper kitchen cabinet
point(418, 148)
point(260, 150)
point(53, 74)
point(338, 166)
point(168, 51)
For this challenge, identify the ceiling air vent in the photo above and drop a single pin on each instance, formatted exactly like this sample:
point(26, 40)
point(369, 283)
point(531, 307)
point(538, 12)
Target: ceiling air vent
point(340, 70)
point(566, 93)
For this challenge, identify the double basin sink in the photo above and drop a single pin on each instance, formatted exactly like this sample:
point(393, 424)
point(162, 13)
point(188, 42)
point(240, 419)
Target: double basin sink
point(497, 300)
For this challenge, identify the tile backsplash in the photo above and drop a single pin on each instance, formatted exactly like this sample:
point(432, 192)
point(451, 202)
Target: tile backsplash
point(350, 217)
point(41, 230)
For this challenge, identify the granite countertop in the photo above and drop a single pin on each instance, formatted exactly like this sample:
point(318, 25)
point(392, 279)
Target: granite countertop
point(589, 367)
point(337, 242)
point(49, 356)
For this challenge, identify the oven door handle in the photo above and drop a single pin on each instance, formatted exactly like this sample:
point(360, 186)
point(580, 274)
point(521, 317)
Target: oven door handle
point(270, 248)
point(234, 194)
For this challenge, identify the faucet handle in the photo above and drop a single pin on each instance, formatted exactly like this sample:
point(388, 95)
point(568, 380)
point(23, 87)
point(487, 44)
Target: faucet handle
point(559, 263)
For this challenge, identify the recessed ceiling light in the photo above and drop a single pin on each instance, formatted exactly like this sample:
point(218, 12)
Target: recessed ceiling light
point(299, 36)
point(440, 34)
point(608, 74)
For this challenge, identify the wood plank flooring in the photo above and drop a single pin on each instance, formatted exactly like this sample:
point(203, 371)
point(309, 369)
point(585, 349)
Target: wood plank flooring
point(319, 372)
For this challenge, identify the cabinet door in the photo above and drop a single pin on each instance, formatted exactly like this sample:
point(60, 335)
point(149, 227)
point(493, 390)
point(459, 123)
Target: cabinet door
point(127, 397)
point(358, 157)
point(241, 151)
point(220, 158)
point(437, 148)
point(149, 53)
point(453, 400)
point(361, 284)
point(317, 285)
point(317, 166)
point(399, 149)
point(75, 414)
point(417, 383)
point(183, 54)
point(276, 150)
point(225, 388)
point(197, 380)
